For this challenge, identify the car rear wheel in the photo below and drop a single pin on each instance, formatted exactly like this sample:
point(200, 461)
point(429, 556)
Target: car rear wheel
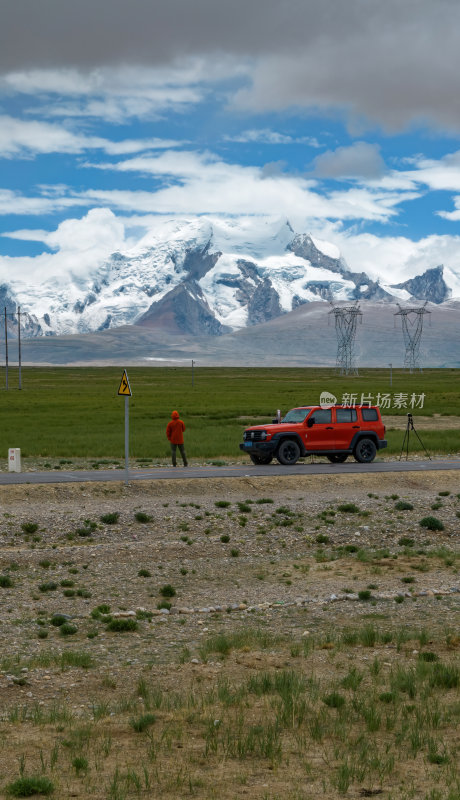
point(288, 452)
point(337, 458)
point(365, 451)
point(261, 459)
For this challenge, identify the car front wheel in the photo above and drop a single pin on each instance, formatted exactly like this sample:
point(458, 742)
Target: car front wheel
point(257, 460)
point(365, 451)
point(288, 452)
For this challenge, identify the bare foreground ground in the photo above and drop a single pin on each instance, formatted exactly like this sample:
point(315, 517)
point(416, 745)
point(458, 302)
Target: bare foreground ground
point(308, 651)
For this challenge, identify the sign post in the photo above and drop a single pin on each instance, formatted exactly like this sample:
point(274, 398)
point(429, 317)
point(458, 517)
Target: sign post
point(124, 390)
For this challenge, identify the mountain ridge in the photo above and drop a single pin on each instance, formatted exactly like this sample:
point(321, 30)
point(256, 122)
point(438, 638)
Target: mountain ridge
point(208, 278)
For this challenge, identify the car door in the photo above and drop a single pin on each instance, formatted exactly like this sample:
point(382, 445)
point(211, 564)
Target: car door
point(345, 427)
point(320, 430)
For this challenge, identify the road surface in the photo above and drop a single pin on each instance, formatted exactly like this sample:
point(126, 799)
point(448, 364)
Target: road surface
point(231, 471)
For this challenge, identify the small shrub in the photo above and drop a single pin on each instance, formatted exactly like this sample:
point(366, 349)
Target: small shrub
point(49, 586)
point(29, 527)
point(244, 508)
point(334, 700)
point(263, 500)
point(387, 697)
point(110, 518)
point(431, 523)
point(322, 538)
point(167, 590)
point(225, 538)
point(348, 508)
point(142, 723)
point(59, 619)
point(120, 625)
point(364, 594)
point(445, 676)
point(428, 656)
point(141, 516)
point(67, 629)
point(80, 764)
point(76, 658)
point(5, 582)
point(144, 573)
point(234, 552)
point(26, 787)
point(403, 505)
point(351, 548)
point(67, 583)
point(443, 494)
point(406, 541)
point(222, 503)
point(164, 604)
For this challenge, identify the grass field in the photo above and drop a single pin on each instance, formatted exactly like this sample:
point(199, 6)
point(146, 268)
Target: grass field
point(75, 412)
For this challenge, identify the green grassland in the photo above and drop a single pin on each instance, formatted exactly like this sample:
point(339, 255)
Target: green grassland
point(75, 412)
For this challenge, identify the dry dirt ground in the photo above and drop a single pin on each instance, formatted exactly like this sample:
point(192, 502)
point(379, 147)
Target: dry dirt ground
point(307, 646)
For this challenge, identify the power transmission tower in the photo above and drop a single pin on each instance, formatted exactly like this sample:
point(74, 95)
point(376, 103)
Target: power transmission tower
point(412, 317)
point(346, 319)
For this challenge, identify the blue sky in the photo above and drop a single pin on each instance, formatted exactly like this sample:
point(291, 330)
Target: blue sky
point(342, 117)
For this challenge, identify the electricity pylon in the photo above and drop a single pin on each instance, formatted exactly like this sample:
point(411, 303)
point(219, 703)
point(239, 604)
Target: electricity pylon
point(346, 319)
point(413, 317)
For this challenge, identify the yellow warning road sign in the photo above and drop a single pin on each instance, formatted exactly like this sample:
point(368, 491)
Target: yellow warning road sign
point(124, 388)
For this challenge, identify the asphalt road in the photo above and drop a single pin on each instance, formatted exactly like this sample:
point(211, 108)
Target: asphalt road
point(235, 471)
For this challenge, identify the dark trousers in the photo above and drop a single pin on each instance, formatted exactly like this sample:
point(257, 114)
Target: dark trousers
point(182, 452)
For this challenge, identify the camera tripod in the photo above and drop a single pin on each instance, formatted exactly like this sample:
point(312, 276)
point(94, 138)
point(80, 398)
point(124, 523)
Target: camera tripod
point(405, 445)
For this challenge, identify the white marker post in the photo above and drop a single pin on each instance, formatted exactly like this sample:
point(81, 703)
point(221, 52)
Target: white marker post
point(124, 390)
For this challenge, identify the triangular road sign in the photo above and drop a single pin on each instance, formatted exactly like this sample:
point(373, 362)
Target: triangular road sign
point(125, 388)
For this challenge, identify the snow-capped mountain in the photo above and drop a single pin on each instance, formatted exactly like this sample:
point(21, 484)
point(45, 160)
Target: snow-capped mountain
point(202, 276)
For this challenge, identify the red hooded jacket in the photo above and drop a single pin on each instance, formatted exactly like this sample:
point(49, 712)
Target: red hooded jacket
point(175, 429)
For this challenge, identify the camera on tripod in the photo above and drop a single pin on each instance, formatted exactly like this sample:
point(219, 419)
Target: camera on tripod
point(405, 445)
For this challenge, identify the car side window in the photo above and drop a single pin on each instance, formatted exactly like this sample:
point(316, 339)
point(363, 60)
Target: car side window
point(370, 414)
point(322, 416)
point(346, 415)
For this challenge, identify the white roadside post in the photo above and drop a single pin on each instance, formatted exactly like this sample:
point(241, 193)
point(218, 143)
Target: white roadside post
point(14, 459)
point(124, 390)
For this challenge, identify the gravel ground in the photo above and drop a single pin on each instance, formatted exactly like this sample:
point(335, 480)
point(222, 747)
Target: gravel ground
point(285, 565)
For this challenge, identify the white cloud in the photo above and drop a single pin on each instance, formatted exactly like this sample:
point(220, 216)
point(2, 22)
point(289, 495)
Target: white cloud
point(26, 138)
point(396, 258)
point(201, 183)
point(81, 245)
point(267, 136)
point(452, 216)
point(119, 93)
point(16, 203)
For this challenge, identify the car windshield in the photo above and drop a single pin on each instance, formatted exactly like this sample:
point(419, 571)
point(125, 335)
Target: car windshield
point(296, 415)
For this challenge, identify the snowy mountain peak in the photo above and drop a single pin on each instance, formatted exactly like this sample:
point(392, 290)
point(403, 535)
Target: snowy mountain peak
point(208, 276)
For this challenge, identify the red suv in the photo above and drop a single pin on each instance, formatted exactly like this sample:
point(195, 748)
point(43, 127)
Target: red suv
point(335, 432)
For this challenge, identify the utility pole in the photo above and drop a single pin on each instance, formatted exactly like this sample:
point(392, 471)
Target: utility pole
point(6, 353)
point(346, 319)
point(193, 374)
point(413, 317)
point(19, 347)
point(391, 374)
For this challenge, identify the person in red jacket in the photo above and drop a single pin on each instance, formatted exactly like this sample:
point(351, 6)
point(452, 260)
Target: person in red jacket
point(175, 433)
